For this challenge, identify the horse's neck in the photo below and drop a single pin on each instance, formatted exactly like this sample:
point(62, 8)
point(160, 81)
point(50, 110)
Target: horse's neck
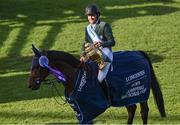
point(69, 73)
point(68, 65)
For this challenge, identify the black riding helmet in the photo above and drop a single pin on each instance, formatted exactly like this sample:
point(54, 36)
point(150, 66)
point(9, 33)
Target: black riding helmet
point(92, 9)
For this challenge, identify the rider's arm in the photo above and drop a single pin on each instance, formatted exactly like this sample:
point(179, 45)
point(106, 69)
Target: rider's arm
point(109, 38)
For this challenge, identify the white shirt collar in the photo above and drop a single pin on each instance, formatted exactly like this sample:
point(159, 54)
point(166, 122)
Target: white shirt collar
point(94, 25)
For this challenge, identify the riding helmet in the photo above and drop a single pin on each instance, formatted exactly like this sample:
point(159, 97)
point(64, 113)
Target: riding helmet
point(92, 9)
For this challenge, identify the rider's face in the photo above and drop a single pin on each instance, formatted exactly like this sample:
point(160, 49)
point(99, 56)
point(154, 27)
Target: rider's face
point(92, 18)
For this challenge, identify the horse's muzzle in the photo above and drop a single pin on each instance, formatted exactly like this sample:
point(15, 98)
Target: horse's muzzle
point(34, 84)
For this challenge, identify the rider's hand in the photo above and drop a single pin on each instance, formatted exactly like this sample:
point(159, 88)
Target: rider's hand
point(83, 56)
point(82, 59)
point(97, 44)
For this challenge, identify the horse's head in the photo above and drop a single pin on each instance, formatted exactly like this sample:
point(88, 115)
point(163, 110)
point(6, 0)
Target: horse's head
point(38, 73)
point(61, 64)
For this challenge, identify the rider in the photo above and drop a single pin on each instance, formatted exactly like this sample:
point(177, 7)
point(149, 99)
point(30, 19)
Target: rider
point(99, 33)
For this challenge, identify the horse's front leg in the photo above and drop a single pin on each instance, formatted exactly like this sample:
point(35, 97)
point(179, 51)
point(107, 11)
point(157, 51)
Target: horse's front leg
point(131, 111)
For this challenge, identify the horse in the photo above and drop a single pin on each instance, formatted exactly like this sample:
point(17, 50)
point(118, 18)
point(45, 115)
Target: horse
point(70, 65)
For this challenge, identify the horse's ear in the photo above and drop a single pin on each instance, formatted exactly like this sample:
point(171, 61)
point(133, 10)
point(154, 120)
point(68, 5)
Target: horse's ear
point(36, 51)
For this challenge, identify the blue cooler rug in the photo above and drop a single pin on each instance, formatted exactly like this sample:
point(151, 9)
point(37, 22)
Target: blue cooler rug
point(128, 80)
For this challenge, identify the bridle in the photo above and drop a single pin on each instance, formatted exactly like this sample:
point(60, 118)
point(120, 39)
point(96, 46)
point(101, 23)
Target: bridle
point(38, 79)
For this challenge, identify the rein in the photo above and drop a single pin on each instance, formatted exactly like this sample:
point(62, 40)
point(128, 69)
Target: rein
point(84, 66)
point(59, 78)
point(52, 82)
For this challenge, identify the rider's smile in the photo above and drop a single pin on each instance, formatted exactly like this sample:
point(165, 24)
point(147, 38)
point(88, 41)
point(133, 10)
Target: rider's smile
point(92, 18)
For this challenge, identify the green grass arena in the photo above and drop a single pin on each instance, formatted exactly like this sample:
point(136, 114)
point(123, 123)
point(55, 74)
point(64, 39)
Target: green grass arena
point(152, 26)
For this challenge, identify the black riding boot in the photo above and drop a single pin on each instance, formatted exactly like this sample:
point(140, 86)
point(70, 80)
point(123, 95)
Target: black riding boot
point(105, 88)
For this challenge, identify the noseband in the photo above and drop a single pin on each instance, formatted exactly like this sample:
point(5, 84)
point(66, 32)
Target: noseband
point(37, 79)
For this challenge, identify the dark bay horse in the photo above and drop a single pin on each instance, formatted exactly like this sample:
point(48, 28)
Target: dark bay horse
point(69, 65)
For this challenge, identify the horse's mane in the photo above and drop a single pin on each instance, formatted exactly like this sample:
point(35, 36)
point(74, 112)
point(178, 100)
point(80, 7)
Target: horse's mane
point(62, 56)
point(55, 56)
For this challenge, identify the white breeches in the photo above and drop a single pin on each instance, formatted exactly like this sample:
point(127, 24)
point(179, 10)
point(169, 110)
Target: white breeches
point(103, 72)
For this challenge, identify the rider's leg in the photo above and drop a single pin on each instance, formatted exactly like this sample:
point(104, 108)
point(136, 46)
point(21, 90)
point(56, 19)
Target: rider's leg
point(101, 78)
point(103, 72)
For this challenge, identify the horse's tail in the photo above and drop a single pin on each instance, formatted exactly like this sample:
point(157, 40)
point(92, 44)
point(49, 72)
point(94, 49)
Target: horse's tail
point(156, 88)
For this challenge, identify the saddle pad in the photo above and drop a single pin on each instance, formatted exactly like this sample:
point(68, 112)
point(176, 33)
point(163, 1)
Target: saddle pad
point(129, 82)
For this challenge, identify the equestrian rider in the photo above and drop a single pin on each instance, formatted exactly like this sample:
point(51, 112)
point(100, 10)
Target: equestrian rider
point(99, 33)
